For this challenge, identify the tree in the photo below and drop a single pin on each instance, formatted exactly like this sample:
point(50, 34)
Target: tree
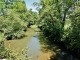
point(72, 41)
point(60, 22)
point(32, 17)
point(11, 26)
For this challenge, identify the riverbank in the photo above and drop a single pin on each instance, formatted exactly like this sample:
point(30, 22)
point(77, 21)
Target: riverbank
point(20, 43)
point(37, 49)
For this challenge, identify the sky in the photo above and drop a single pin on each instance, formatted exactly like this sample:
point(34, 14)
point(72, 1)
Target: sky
point(29, 4)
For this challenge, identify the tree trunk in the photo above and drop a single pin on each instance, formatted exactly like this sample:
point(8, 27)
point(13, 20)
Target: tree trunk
point(63, 20)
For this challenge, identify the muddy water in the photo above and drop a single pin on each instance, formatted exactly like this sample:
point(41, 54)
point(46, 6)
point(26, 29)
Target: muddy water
point(45, 52)
point(40, 51)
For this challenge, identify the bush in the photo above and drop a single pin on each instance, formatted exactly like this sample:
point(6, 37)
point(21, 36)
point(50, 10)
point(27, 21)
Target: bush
point(12, 26)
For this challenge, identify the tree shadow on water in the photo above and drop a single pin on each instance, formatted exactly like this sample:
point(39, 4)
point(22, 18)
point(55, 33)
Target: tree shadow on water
point(59, 52)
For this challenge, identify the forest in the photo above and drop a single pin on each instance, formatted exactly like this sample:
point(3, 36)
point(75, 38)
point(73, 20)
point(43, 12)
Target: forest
point(58, 20)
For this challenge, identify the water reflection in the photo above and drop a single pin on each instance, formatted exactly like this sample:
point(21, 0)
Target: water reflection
point(34, 46)
point(40, 44)
point(60, 52)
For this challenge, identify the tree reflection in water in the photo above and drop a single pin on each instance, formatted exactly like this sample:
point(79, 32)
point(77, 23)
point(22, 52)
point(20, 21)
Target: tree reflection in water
point(59, 52)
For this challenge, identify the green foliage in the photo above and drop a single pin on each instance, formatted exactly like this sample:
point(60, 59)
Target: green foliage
point(60, 22)
point(51, 24)
point(11, 28)
point(73, 39)
point(20, 7)
point(13, 22)
point(32, 18)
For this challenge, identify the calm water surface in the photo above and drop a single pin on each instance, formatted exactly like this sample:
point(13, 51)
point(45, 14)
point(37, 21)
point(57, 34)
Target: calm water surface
point(34, 46)
point(35, 49)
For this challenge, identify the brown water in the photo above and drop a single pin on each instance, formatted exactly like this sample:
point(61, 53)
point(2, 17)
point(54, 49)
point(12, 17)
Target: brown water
point(39, 51)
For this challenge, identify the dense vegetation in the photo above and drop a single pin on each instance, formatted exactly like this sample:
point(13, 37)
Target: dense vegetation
point(60, 22)
point(14, 20)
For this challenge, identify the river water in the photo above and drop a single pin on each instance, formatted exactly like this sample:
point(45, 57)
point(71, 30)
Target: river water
point(35, 49)
point(34, 46)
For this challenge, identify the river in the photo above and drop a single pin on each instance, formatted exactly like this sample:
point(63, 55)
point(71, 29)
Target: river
point(39, 51)
point(36, 49)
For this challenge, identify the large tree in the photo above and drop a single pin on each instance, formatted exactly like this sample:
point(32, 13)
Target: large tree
point(60, 22)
